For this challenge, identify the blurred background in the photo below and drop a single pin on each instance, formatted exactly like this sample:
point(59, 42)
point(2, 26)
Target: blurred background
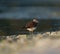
point(16, 13)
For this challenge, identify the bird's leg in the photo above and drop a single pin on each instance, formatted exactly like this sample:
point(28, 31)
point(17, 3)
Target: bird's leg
point(31, 34)
point(28, 36)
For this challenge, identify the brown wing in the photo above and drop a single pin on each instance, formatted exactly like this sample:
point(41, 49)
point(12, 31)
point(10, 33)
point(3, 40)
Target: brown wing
point(29, 25)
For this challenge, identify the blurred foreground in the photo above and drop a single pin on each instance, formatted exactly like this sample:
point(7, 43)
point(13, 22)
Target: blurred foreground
point(42, 43)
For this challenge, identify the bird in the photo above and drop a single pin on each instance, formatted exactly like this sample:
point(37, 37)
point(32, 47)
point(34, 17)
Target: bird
point(31, 26)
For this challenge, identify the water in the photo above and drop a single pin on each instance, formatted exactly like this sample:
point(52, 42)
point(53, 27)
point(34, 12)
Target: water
point(38, 45)
point(23, 45)
point(14, 26)
point(43, 46)
point(30, 12)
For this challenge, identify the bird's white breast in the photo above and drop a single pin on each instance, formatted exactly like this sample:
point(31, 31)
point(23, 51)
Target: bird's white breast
point(31, 29)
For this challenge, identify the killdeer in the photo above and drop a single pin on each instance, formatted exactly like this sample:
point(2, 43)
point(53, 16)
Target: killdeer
point(31, 26)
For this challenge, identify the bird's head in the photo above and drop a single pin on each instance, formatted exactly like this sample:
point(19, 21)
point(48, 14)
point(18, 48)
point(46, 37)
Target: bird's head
point(35, 20)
